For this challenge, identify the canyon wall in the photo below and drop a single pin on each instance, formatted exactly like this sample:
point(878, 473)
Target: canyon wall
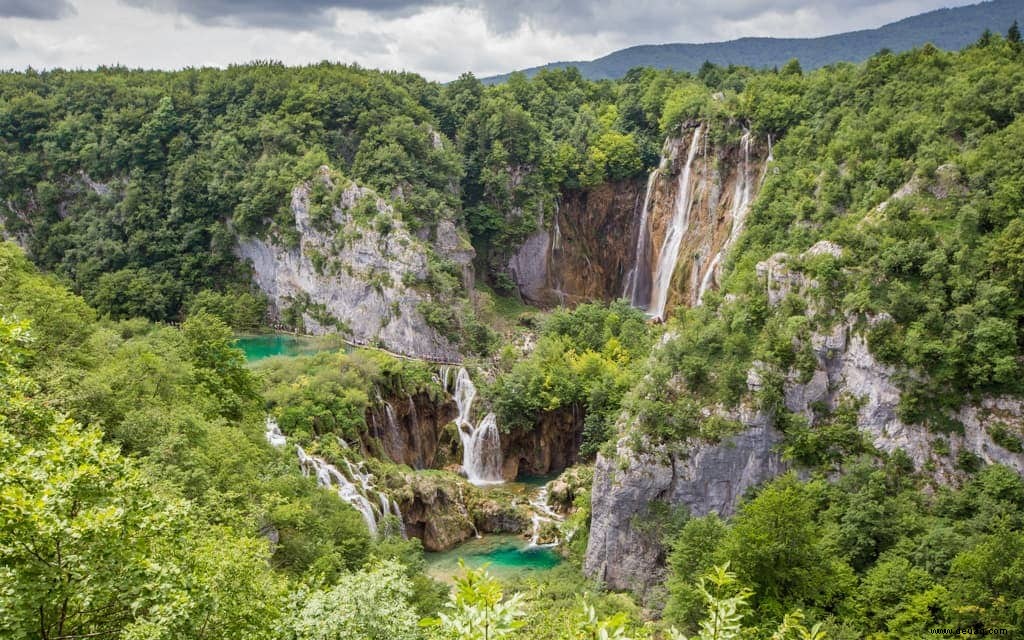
point(352, 276)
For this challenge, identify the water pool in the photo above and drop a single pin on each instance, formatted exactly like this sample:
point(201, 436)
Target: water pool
point(509, 556)
point(276, 344)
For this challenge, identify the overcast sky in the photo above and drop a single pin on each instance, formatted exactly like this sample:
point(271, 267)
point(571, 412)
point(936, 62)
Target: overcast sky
point(437, 38)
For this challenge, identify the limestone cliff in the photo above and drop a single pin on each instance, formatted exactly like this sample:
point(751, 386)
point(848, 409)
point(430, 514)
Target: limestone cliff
point(703, 477)
point(587, 250)
point(710, 477)
point(411, 430)
point(354, 272)
point(549, 447)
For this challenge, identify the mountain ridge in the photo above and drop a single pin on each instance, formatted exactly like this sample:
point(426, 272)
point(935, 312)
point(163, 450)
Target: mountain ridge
point(948, 28)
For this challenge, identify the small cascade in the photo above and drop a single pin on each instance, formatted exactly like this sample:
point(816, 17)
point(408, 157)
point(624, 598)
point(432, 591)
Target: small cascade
point(638, 283)
point(740, 206)
point(481, 443)
point(542, 512)
point(328, 476)
point(669, 254)
point(273, 433)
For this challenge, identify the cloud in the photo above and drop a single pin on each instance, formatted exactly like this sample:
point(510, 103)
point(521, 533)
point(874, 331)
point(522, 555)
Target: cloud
point(436, 38)
point(291, 14)
point(36, 9)
point(7, 42)
point(636, 20)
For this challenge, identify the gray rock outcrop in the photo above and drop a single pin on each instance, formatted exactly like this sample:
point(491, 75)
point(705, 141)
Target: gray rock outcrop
point(704, 477)
point(351, 276)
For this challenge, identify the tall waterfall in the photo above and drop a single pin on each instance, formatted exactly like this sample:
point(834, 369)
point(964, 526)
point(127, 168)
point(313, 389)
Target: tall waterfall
point(638, 283)
point(669, 254)
point(481, 443)
point(740, 206)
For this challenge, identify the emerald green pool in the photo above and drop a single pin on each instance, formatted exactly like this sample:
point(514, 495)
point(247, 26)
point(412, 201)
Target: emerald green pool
point(508, 556)
point(276, 344)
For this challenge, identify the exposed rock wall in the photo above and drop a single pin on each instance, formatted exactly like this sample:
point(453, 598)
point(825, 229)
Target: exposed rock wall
point(549, 447)
point(353, 277)
point(587, 249)
point(411, 430)
point(703, 477)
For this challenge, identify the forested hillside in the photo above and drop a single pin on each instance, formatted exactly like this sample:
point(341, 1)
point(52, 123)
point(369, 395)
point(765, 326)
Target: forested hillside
point(951, 29)
point(818, 434)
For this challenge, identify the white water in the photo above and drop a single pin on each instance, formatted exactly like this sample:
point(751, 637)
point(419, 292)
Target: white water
point(327, 475)
point(481, 443)
point(638, 283)
point(669, 254)
point(542, 512)
point(273, 433)
point(740, 206)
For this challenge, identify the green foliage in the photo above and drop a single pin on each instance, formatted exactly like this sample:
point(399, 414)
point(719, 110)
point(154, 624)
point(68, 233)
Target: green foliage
point(586, 358)
point(478, 609)
point(242, 311)
point(371, 604)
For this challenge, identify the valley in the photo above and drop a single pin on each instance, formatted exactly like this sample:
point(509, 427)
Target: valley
point(327, 352)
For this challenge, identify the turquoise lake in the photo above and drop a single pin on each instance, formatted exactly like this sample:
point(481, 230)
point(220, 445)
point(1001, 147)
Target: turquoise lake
point(507, 556)
point(257, 348)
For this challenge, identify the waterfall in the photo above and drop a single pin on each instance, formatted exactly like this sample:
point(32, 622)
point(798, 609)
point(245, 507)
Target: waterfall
point(669, 254)
point(481, 443)
point(740, 206)
point(328, 476)
point(273, 433)
point(556, 233)
point(416, 440)
point(638, 283)
point(542, 512)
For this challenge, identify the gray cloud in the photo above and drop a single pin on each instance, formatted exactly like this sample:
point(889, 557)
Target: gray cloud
point(293, 14)
point(7, 42)
point(36, 9)
point(639, 20)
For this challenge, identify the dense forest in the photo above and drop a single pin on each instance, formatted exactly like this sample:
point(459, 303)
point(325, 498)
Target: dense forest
point(140, 496)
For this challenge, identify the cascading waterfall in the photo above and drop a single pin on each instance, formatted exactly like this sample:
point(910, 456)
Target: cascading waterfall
point(481, 443)
point(542, 512)
point(327, 475)
point(638, 283)
point(740, 206)
point(669, 254)
point(273, 433)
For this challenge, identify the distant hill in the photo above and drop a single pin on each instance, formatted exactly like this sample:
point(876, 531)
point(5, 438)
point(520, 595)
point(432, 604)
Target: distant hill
point(945, 28)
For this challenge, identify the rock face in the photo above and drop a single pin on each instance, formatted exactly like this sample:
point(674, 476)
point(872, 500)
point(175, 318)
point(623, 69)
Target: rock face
point(704, 478)
point(586, 252)
point(435, 512)
point(549, 447)
point(411, 430)
point(846, 368)
point(709, 478)
point(353, 276)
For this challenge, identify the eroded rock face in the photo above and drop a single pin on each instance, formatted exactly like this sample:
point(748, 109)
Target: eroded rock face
point(436, 512)
point(549, 447)
point(703, 477)
point(586, 252)
point(846, 368)
point(352, 277)
point(411, 430)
